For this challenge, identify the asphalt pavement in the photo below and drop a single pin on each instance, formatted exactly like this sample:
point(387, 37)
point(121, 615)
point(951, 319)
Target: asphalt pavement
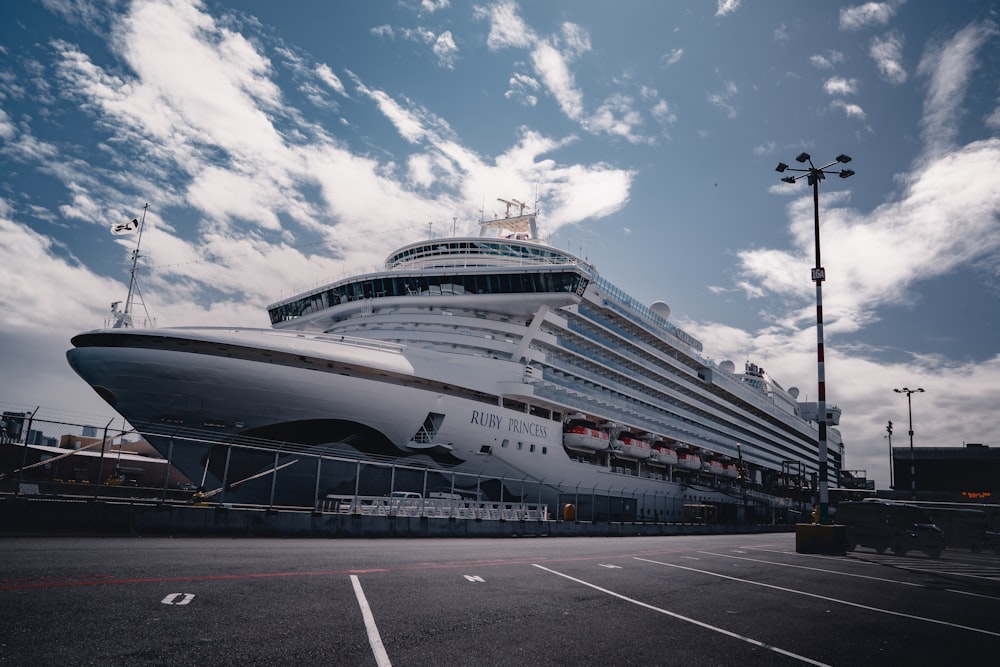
point(679, 600)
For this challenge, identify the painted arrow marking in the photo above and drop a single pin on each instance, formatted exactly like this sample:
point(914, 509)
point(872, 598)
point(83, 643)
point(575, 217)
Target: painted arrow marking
point(178, 599)
point(472, 577)
point(610, 566)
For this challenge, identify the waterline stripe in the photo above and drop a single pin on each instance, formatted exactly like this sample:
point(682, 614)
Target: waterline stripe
point(687, 619)
point(381, 657)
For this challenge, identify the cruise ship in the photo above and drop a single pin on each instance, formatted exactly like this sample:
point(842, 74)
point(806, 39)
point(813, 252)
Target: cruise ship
point(497, 356)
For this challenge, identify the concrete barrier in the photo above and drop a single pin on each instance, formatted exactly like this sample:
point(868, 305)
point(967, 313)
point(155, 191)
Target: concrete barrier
point(817, 538)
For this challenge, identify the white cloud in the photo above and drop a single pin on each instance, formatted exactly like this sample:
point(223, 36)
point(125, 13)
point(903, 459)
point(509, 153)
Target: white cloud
point(992, 121)
point(558, 79)
point(445, 49)
point(506, 27)
point(442, 46)
point(662, 112)
point(887, 52)
point(616, 116)
point(948, 67)
point(522, 88)
point(574, 40)
point(726, 7)
point(327, 76)
point(69, 309)
point(432, 6)
point(841, 86)
point(674, 56)
point(868, 14)
point(850, 110)
point(723, 100)
point(550, 59)
point(7, 128)
point(827, 61)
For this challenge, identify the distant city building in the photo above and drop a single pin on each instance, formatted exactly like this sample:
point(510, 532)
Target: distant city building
point(39, 438)
point(90, 431)
point(969, 473)
point(13, 423)
point(114, 461)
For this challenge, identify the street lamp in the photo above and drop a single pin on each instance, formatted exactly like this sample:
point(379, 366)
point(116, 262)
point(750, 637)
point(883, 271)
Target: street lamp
point(814, 175)
point(888, 429)
point(909, 405)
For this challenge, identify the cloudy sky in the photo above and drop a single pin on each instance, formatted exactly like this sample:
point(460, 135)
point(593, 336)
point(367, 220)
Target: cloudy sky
point(280, 145)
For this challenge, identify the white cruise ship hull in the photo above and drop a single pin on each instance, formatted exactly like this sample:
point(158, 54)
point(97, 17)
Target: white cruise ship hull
point(331, 410)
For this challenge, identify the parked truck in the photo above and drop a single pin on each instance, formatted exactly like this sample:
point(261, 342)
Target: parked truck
point(882, 525)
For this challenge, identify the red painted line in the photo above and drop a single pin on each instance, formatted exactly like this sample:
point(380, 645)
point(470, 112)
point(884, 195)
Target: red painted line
point(111, 580)
point(105, 580)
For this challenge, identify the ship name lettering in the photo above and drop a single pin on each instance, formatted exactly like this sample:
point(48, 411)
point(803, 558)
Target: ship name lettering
point(487, 419)
point(526, 427)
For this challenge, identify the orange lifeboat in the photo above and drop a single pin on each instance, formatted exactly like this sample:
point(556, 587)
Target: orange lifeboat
point(712, 467)
point(688, 461)
point(584, 438)
point(631, 447)
point(663, 455)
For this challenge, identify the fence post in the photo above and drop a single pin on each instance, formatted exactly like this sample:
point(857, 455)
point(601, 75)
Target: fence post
point(274, 478)
point(225, 473)
point(24, 453)
point(100, 466)
point(423, 501)
point(166, 470)
point(319, 464)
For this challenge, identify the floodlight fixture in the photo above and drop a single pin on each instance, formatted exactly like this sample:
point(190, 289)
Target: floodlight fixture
point(846, 173)
point(803, 157)
point(781, 166)
point(843, 159)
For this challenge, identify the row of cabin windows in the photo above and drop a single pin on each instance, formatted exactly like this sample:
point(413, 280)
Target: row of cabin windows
point(387, 285)
point(489, 248)
point(520, 447)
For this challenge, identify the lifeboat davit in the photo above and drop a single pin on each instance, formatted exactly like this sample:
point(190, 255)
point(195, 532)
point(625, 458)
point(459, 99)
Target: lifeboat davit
point(688, 461)
point(663, 455)
point(585, 438)
point(631, 447)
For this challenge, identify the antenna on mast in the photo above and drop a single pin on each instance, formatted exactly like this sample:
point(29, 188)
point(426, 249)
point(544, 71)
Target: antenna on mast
point(514, 202)
point(123, 318)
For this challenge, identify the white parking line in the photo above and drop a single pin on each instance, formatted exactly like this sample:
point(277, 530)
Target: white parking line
point(381, 657)
point(814, 569)
point(660, 610)
point(933, 567)
point(824, 597)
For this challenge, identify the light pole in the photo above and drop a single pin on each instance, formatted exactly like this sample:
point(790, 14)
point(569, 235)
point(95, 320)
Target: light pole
point(909, 406)
point(814, 175)
point(888, 430)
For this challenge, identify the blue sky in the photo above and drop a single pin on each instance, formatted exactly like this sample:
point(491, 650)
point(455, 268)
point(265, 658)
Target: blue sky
point(281, 145)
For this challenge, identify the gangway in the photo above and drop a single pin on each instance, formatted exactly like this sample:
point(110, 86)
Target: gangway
point(435, 508)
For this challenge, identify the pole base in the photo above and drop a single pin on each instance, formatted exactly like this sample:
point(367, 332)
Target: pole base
point(818, 538)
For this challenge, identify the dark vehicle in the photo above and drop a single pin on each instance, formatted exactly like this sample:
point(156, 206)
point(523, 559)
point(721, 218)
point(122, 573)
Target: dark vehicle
point(887, 525)
point(967, 526)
